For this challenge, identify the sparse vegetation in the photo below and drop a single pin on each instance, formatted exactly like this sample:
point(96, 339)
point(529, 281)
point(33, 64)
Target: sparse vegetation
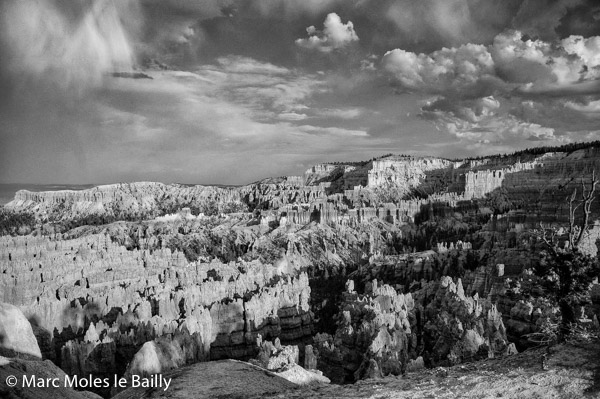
point(568, 148)
point(16, 223)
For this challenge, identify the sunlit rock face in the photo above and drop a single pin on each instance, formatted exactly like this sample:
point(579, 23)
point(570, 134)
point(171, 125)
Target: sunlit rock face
point(404, 172)
point(17, 335)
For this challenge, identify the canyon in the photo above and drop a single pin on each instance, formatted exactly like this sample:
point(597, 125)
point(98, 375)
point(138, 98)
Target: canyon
point(353, 270)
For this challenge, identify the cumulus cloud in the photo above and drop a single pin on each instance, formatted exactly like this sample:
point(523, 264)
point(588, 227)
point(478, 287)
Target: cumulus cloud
point(540, 65)
point(480, 86)
point(442, 70)
point(587, 49)
point(510, 60)
point(335, 35)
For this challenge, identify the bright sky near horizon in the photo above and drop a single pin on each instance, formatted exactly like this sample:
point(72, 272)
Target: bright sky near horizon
point(259, 88)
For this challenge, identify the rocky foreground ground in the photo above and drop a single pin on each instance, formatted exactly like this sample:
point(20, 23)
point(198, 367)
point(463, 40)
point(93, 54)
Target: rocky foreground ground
point(572, 371)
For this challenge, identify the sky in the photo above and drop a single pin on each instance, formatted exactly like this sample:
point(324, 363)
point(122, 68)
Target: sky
point(240, 90)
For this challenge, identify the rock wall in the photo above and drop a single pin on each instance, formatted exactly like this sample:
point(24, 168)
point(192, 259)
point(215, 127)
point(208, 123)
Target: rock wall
point(403, 172)
point(481, 182)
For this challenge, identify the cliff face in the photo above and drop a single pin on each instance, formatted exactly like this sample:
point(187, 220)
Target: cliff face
point(405, 173)
point(121, 201)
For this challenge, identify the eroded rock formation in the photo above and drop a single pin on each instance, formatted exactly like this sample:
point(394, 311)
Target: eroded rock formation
point(382, 332)
point(139, 277)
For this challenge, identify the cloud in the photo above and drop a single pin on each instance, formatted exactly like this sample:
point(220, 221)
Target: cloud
point(292, 116)
point(336, 131)
point(345, 113)
point(71, 44)
point(290, 9)
point(263, 87)
point(574, 115)
point(189, 126)
point(335, 35)
point(239, 65)
point(580, 19)
point(473, 111)
point(183, 33)
point(591, 109)
point(541, 18)
point(510, 61)
point(514, 89)
point(540, 65)
point(449, 69)
point(480, 121)
point(587, 49)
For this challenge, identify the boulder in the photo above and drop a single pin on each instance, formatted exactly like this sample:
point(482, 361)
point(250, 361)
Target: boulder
point(16, 335)
point(155, 357)
point(301, 376)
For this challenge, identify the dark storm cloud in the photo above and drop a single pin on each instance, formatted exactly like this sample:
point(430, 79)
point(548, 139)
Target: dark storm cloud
point(581, 19)
point(540, 19)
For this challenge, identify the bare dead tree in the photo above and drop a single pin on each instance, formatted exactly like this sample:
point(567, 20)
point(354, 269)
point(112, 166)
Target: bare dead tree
point(576, 232)
point(566, 271)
